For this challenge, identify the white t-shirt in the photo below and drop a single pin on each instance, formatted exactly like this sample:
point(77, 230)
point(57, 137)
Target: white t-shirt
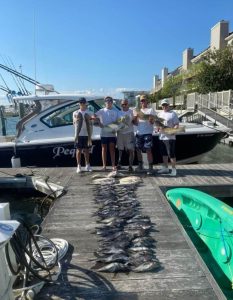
point(144, 126)
point(83, 131)
point(107, 116)
point(130, 127)
point(171, 119)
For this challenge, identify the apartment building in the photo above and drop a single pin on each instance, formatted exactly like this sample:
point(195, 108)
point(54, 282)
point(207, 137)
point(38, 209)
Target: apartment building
point(219, 38)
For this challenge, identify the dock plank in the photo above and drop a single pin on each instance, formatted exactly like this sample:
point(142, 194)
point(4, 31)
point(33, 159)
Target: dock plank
point(181, 276)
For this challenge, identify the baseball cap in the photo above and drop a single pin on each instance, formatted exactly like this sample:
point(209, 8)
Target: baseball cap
point(165, 102)
point(82, 100)
point(143, 97)
point(108, 98)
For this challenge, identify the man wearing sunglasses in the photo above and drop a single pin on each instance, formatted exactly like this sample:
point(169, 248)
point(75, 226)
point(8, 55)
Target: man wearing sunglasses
point(144, 121)
point(107, 115)
point(125, 136)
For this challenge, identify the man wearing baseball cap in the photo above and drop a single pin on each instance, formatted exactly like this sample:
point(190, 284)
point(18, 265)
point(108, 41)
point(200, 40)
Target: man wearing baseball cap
point(144, 133)
point(168, 141)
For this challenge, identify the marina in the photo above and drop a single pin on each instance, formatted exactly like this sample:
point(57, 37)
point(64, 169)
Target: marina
point(182, 273)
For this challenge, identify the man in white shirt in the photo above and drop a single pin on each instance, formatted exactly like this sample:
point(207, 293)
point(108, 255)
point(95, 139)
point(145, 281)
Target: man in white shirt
point(125, 136)
point(167, 141)
point(144, 119)
point(82, 134)
point(107, 116)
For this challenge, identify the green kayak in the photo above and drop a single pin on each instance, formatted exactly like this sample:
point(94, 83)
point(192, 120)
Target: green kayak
point(212, 220)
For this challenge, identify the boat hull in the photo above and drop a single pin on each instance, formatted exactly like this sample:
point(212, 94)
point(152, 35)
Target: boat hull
point(189, 147)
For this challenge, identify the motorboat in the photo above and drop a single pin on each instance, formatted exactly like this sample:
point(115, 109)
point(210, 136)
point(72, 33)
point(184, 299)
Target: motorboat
point(211, 219)
point(45, 136)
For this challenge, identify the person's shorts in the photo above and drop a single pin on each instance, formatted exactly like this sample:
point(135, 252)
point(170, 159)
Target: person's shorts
point(82, 143)
point(125, 141)
point(108, 140)
point(168, 148)
point(144, 142)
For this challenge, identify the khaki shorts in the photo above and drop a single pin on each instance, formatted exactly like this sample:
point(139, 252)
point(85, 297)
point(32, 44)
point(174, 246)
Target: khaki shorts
point(125, 141)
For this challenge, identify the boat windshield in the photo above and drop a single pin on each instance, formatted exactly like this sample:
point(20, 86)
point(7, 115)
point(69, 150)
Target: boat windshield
point(64, 115)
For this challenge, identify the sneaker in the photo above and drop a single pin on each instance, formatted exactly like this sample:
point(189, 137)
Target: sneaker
point(79, 170)
point(173, 172)
point(163, 171)
point(119, 167)
point(150, 172)
point(130, 169)
point(88, 168)
point(139, 168)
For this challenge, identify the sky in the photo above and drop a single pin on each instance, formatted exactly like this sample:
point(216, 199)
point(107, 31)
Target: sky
point(102, 46)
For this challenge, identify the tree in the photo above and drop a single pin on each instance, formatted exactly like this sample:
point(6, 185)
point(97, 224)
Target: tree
point(216, 71)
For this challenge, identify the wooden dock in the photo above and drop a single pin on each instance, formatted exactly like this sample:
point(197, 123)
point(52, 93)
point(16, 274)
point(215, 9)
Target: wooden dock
point(182, 275)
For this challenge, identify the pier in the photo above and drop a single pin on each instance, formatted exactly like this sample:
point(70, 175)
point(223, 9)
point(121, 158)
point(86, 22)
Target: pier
point(183, 274)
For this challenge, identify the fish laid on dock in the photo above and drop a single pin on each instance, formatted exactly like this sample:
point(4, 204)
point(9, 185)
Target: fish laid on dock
point(124, 241)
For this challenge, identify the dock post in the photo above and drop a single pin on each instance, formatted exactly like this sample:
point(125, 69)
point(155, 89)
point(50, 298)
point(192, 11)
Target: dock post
point(6, 278)
point(3, 124)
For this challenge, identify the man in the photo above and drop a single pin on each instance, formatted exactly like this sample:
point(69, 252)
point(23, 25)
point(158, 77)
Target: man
point(125, 136)
point(81, 121)
point(107, 116)
point(144, 119)
point(167, 141)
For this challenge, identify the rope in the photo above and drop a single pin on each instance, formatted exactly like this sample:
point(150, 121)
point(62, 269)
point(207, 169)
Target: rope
point(34, 255)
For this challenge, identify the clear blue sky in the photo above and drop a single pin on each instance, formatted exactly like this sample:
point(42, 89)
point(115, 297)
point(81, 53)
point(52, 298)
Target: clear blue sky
point(104, 45)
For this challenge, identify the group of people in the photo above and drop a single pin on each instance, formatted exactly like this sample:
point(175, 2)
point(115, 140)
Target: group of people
point(144, 118)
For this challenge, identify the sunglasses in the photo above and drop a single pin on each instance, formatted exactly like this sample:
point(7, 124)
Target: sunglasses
point(142, 100)
point(124, 104)
point(108, 100)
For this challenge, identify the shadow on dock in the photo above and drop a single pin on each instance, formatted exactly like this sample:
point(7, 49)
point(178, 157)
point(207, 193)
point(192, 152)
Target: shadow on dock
point(76, 282)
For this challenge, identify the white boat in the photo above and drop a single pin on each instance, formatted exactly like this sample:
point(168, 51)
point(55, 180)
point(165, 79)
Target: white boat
point(45, 137)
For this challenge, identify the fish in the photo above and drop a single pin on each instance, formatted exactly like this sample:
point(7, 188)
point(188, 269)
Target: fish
point(104, 181)
point(114, 267)
point(169, 130)
point(116, 257)
point(78, 126)
point(148, 117)
point(146, 266)
point(89, 127)
point(110, 250)
point(130, 180)
point(120, 123)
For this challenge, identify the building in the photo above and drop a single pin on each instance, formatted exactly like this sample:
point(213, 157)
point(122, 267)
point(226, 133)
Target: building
point(131, 95)
point(219, 39)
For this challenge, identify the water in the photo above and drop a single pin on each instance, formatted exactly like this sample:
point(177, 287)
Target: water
point(221, 154)
point(11, 125)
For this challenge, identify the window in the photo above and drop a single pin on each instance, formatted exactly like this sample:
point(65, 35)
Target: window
point(64, 115)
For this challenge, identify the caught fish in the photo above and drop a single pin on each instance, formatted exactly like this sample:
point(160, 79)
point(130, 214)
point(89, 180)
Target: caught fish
point(130, 180)
point(146, 266)
point(148, 117)
point(104, 181)
point(114, 267)
point(169, 130)
point(116, 257)
point(89, 127)
point(110, 250)
point(78, 126)
point(120, 123)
